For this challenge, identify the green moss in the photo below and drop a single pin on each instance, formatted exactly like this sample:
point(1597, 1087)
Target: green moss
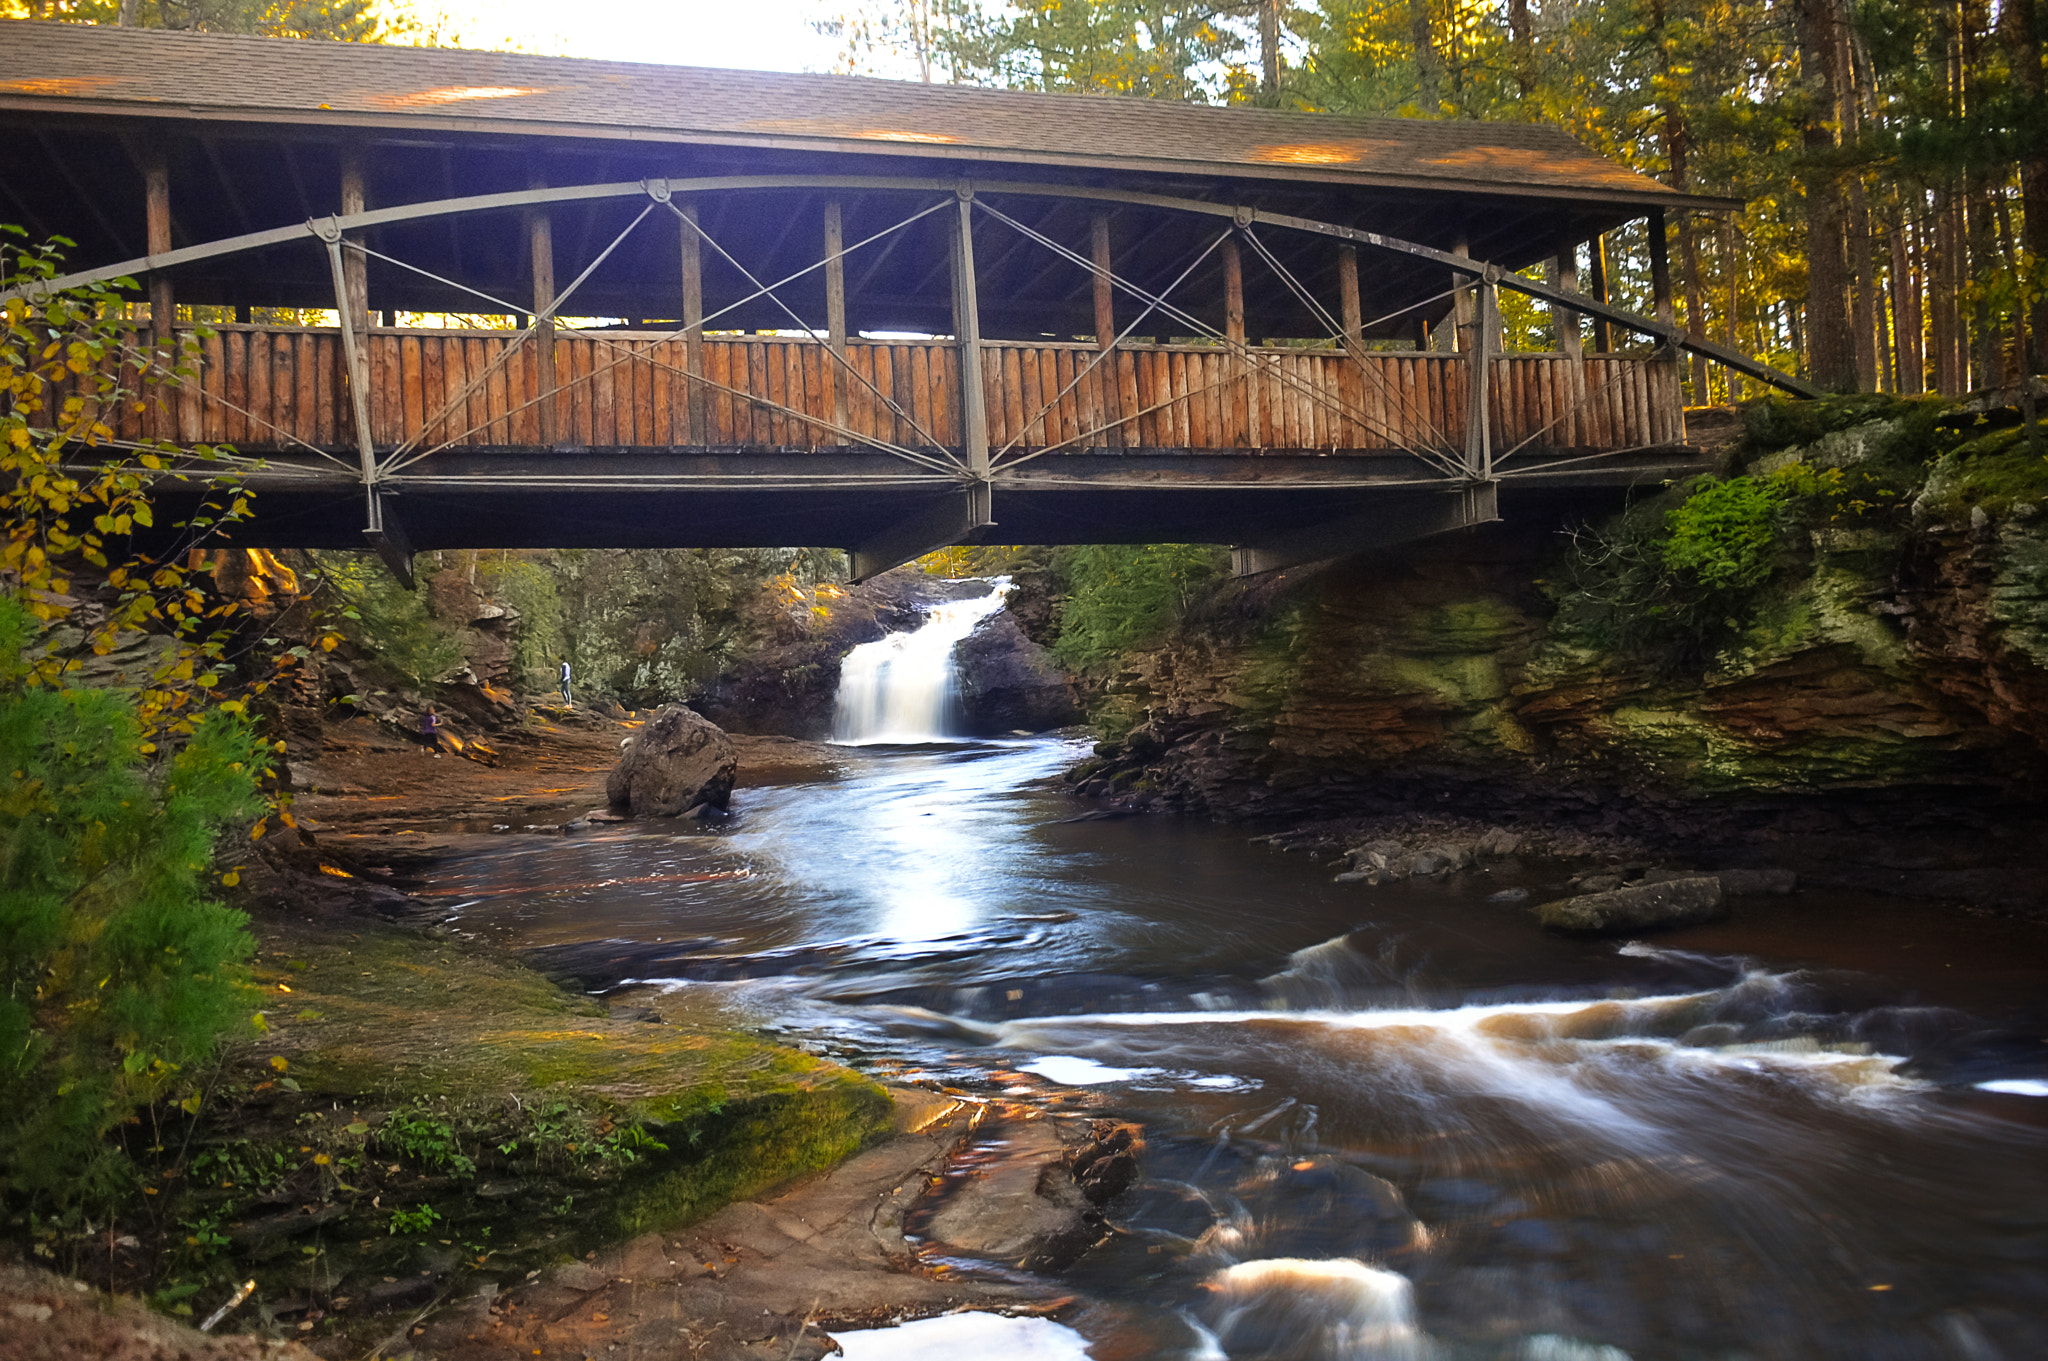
point(1996, 471)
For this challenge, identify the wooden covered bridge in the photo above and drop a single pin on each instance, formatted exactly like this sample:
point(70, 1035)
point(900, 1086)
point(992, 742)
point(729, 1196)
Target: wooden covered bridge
point(734, 308)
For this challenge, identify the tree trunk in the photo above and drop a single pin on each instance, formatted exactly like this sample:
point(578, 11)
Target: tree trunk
point(1429, 62)
point(1522, 46)
point(1906, 326)
point(2026, 20)
point(1832, 357)
point(1269, 51)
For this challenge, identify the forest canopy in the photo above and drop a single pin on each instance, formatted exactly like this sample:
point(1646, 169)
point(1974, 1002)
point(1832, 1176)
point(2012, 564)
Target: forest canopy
point(1893, 154)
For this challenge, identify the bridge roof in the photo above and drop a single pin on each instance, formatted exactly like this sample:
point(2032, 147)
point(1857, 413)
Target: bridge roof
point(210, 77)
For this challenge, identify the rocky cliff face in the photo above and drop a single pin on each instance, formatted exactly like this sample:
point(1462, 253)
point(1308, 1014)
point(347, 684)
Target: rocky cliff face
point(1901, 669)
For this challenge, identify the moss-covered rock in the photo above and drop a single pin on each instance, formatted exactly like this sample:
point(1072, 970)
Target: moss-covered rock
point(422, 1113)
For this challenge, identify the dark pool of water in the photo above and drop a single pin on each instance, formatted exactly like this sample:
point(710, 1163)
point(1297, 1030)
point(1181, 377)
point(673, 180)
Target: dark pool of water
point(1380, 1123)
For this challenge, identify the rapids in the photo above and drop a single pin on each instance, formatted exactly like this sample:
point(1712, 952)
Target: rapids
point(1381, 1124)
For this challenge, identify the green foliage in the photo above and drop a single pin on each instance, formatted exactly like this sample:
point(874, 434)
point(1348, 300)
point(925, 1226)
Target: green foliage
point(1120, 596)
point(416, 1220)
point(1675, 577)
point(529, 588)
point(426, 1139)
point(342, 20)
point(389, 620)
point(117, 973)
point(648, 626)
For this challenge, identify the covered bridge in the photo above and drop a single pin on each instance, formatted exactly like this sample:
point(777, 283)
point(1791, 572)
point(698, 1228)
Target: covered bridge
point(710, 307)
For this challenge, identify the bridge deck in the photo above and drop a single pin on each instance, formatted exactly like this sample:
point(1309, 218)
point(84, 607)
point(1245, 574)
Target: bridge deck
point(264, 387)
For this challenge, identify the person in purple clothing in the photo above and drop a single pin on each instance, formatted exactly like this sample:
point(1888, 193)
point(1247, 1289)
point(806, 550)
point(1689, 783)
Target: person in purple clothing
point(430, 729)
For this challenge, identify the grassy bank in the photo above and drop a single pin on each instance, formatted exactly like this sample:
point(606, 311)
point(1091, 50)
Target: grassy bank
point(423, 1117)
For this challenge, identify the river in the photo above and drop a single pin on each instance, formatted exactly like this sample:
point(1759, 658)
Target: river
point(1380, 1123)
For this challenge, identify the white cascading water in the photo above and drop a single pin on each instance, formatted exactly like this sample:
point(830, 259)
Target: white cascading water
point(897, 688)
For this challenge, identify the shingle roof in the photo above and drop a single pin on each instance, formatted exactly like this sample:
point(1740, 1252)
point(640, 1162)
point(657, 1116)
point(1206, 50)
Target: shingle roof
point(208, 75)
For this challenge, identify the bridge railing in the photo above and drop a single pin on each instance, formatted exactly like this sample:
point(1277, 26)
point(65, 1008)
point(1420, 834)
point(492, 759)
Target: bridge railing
point(267, 386)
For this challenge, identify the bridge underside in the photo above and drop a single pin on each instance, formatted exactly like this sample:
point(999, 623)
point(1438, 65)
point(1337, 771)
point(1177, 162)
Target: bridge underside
point(1280, 508)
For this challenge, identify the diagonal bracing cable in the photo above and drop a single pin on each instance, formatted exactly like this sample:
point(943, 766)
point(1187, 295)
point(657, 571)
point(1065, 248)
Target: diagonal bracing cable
point(148, 364)
point(1257, 362)
point(838, 358)
point(1335, 329)
point(398, 457)
point(678, 333)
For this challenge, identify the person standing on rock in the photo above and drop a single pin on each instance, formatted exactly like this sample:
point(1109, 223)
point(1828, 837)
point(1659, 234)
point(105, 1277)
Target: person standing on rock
point(430, 729)
point(567, 698)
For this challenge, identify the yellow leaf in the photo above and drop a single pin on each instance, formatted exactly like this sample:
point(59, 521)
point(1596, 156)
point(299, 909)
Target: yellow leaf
point(278, 1062)
point(231, 878)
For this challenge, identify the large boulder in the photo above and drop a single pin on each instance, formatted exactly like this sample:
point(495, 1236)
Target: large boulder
point(677, 761)
point(1641, 907)
point(1009, 683)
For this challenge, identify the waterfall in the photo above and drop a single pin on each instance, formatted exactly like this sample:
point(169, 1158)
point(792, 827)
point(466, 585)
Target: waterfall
point(896, 689)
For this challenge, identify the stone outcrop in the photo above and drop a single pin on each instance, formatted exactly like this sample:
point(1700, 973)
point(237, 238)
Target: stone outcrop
point(1900, 670)
point(678, 761)
point(1640, 907)
point(1009, 683)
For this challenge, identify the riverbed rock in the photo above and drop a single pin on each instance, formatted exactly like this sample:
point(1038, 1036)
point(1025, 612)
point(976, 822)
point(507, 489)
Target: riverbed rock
point(1640, 907)
point(1009, 682)
point(1757, 883)
point(1018, 1203)
point(678, 761)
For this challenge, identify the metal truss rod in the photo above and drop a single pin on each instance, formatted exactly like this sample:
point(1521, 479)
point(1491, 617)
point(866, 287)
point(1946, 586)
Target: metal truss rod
point(1578, 302)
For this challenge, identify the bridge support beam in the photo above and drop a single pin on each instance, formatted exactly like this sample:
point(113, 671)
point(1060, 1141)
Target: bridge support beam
point(388, 537)
point(941, 525)
point(1414, 517)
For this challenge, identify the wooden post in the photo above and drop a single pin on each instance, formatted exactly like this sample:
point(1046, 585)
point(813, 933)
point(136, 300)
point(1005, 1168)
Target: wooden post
point(1478, 408)
point(355, 266)
point(1105, 297)
point(163, 315)
point(541, 239)
point(355, 272)
point(1462, 338)
point(1660, 269)
point(1562, 319)
point(1233, 330)
point(973, 396)
point(1603, 330)
point(1352, 308)
point(1105, 330)
point(835, 309)
point(693, 323)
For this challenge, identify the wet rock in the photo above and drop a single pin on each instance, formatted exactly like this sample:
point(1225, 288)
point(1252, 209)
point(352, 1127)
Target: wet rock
point(1597, 883)
point(1640, 907)
point(1427, 863)
point(1106, 1164)
point(1509, 895)
point(1497, 844)
point(1736, 883)
point(1757, 883)
point(678, 761)
point(1022, 1206)
point(1007, 681)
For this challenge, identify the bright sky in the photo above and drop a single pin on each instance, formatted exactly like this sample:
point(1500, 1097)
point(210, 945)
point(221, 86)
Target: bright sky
point(762, 35)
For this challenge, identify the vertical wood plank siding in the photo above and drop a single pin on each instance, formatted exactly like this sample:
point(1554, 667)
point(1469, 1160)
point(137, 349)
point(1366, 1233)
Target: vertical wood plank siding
point(266, 387)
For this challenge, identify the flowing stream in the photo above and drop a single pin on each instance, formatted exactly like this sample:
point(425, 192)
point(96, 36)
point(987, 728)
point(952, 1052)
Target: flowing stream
point(1392, 1123)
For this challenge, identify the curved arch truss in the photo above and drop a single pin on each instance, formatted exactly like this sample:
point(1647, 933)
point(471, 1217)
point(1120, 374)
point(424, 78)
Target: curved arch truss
point(1166, 422)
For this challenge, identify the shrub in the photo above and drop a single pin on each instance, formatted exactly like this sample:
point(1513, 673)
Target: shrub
point(1121, 596)
point(1673, 578)
point(118, 973)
